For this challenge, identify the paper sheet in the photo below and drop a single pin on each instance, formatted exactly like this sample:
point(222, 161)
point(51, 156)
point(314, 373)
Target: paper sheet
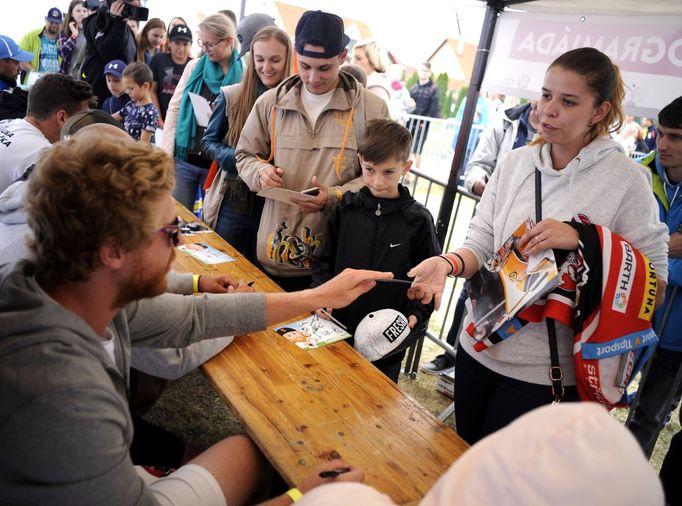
point(283, 195)
point(202, 109)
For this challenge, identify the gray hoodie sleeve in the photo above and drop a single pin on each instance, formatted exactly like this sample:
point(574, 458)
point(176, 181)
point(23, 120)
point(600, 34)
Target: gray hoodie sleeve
point(173, 363)
point(176, 321)
point(84, 456)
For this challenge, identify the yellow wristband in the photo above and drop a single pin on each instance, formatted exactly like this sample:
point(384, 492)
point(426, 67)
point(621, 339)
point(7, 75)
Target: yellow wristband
point(195, 283)
point(294, 494)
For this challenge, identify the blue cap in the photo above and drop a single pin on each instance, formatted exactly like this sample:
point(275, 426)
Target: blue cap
point(115, 68)
point(54, 15)
point(320, 29)
point(10, 49)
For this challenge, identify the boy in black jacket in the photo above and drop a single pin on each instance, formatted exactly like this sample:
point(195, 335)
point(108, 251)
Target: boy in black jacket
point(380, 227)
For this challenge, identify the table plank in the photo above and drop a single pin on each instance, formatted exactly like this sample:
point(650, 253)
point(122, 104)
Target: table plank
point(305, 407)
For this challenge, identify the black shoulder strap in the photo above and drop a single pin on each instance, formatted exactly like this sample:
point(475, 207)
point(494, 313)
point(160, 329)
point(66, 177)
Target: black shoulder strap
point(555, 372)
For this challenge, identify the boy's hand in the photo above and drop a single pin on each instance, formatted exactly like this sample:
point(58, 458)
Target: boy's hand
point(271, 177)
point(318, 203)
point(411, 321)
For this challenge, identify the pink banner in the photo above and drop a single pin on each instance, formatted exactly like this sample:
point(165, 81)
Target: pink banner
point(652, 49)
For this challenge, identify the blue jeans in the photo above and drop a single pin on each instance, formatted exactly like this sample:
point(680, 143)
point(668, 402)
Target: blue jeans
point(240, 229)
point(653, 407)
point(188, 179)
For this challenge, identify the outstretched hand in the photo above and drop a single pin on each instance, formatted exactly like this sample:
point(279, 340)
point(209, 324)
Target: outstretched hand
point(347, 286)
point(318, 203)
point(429, 280)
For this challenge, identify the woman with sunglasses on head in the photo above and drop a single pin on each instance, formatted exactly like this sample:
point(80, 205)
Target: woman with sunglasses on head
point(219, 66)
point(580, 174)
point(230, 207)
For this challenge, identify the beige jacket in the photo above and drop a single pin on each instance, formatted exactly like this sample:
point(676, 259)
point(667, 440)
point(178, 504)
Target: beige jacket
point(287, 238)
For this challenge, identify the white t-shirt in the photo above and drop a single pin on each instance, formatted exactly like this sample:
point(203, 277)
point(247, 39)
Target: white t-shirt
point(314, 104)
point(20, 145)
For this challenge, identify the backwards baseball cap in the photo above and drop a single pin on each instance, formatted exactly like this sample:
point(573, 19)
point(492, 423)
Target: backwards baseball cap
point(115, 68)
point(180, 32)
point(87, 118)
point(320, 29)
point(54, 15)
point(249, 27)
point(381, 332)
point(10, 49)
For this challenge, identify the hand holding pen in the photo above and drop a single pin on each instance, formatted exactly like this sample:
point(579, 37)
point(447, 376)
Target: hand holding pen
point(332, 471)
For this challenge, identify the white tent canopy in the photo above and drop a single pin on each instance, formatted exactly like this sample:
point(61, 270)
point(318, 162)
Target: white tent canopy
point(640, 13)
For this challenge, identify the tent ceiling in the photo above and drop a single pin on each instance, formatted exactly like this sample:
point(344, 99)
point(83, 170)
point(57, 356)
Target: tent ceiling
point(602, 7)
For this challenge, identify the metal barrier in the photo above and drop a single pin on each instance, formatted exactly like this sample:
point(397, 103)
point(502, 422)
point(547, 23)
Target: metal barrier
point(427, 184)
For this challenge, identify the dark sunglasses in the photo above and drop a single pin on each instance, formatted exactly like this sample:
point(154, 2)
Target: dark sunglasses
point(172, 231)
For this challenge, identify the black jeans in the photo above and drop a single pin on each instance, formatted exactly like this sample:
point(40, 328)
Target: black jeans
point(486, 401)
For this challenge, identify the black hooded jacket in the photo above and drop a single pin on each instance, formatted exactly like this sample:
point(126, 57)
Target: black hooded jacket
point(107, 38)
point(366, 232)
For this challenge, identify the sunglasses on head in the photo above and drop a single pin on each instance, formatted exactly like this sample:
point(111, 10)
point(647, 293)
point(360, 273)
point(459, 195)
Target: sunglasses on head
point(172, 231)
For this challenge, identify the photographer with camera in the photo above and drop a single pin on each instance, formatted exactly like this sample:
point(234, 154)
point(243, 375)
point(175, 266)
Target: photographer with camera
point(108, 37)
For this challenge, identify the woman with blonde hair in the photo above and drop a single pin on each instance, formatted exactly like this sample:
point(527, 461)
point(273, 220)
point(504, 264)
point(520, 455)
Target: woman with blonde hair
point(230, 207)
point(372, 58)
point(219, 66)
point(576, 174)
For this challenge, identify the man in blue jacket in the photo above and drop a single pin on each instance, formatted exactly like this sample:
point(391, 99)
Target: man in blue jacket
point(666, 169)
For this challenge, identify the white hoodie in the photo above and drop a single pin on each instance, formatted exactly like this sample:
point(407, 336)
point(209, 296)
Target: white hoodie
point(600, 184)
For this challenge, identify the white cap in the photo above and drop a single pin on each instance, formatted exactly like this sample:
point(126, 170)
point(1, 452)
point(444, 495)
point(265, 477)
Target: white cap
point(571, 454)
point(380, 332)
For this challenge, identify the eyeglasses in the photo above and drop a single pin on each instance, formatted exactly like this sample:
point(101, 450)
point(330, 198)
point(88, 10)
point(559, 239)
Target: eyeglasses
point(172, 231)
point(207, 46)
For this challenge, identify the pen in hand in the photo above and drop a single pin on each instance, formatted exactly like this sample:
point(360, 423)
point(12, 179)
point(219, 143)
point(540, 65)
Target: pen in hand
point(334, 472)
point(323, 311)
point(250, 283)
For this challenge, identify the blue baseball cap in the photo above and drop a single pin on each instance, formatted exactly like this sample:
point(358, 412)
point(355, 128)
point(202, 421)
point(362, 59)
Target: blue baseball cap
point(115, 68)
point(320, 29)
point(10, 49)
point(54, 15)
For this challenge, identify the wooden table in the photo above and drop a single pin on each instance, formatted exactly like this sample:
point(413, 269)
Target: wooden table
point(305, 407)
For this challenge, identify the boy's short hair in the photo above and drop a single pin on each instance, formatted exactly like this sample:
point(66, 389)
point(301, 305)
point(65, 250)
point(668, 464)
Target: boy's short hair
point(671, 115)
point(139, 72)
point(86, 191)
point(384, 138)
point(56, 92)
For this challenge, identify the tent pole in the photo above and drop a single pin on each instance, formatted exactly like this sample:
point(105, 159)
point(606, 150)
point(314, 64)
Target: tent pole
point(493, 8)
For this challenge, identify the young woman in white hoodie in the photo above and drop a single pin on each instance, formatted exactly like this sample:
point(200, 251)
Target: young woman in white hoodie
point(584, 176)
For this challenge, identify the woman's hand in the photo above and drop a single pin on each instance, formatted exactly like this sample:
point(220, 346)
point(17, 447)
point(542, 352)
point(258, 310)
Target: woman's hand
point(74, 30)
point(549, 234)
point(429, 280)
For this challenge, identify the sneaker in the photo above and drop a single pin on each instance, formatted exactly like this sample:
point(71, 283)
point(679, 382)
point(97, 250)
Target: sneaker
point(438, 364)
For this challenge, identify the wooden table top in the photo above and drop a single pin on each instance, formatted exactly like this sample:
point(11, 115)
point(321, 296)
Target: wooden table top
point(305, 407)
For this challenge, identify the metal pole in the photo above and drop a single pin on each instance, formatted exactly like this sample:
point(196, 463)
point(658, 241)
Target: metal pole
point(493, 8)
point(242, 8)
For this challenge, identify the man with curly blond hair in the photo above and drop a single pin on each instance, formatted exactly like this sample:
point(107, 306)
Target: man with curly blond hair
point(104, 230)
